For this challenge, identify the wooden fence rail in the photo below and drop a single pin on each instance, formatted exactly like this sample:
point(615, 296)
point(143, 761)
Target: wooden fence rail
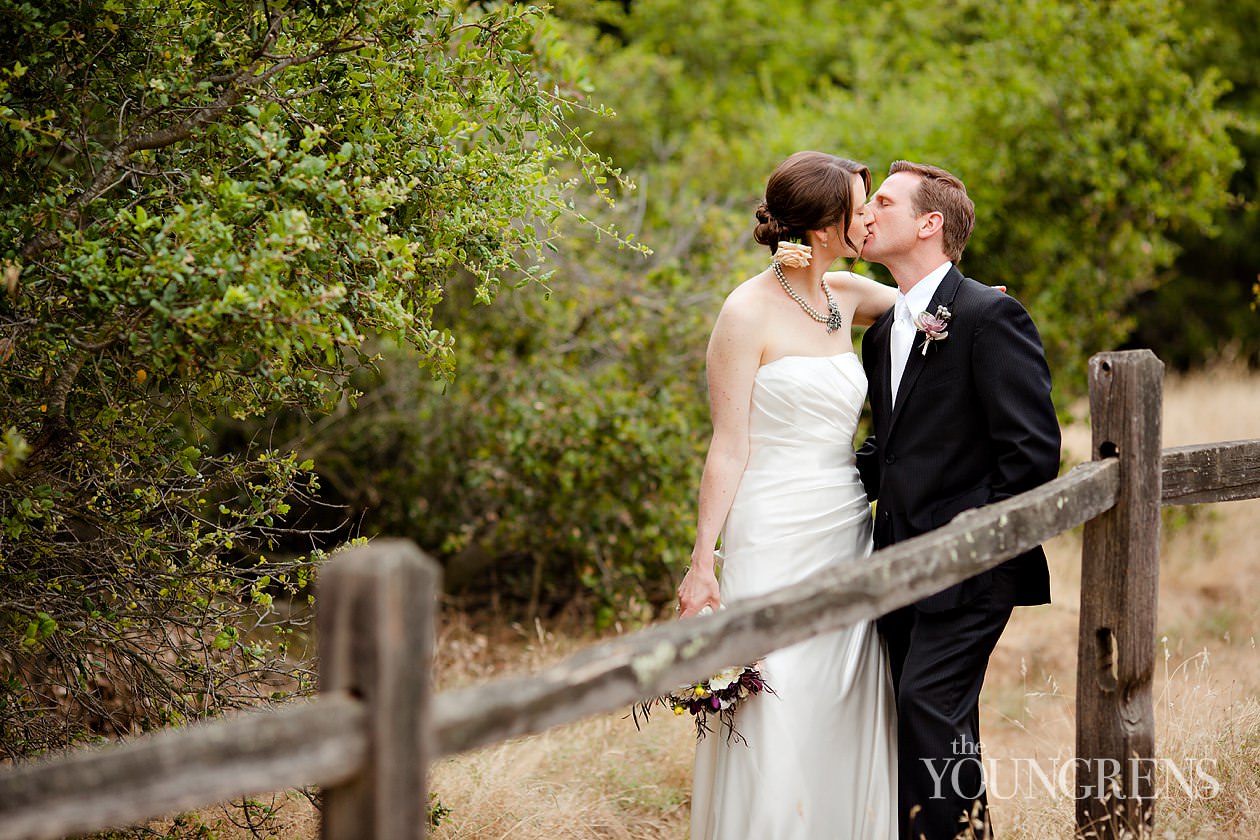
point(370, 734)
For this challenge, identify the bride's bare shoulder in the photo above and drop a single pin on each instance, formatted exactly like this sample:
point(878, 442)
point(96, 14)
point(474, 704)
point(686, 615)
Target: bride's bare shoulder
point(750, 295)
point(743, 312)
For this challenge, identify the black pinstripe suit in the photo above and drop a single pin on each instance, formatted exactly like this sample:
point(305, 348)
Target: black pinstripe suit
point(973, 424)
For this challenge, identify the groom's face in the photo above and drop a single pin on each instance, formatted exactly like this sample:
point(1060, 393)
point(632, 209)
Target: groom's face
point(891, 225)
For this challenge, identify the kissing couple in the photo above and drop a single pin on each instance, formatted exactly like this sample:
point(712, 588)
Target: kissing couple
point(872, 731)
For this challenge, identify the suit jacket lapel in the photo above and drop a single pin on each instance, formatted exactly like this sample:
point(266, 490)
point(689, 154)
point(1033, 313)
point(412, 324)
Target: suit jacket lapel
point(944, 296)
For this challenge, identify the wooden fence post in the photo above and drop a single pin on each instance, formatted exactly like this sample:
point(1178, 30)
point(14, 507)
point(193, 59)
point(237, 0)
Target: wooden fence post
point(1115, 727)
point(376, 617)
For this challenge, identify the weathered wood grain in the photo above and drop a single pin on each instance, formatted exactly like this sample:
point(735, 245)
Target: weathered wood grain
point(614, 674)
point(316, 742)
point(1115, 720)
point(378, 607)
point(1211, 472)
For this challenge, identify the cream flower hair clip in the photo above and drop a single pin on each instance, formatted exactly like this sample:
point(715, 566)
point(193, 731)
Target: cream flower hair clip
point(793, 255)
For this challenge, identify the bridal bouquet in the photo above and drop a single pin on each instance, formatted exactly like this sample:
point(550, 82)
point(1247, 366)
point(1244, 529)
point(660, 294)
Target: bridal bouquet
point(715, 698)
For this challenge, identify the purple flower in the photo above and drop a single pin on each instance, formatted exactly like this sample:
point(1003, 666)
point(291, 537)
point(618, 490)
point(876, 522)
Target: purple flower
point(934, 327)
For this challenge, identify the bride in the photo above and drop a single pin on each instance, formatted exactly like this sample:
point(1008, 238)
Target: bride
point(780, 484)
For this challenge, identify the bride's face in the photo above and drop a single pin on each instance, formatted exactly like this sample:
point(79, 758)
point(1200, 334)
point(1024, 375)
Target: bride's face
point(837, 246)
point(857, 224)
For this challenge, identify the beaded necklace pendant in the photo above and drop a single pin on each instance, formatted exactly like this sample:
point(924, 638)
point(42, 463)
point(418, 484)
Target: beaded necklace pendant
point(833, 320)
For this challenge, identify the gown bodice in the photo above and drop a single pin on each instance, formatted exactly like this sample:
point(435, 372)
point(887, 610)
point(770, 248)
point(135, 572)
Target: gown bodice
point(804, 412)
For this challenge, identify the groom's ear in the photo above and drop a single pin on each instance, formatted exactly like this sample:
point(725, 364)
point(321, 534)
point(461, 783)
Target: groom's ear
point(931, 224)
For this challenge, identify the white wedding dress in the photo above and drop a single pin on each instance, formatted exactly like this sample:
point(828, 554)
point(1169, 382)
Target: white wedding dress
point(820, 758)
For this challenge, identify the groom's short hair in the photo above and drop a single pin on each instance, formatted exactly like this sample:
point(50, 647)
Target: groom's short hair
point(942, 192)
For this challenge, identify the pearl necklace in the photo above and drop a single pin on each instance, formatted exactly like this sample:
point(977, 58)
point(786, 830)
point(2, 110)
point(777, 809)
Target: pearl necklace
point(832, 319)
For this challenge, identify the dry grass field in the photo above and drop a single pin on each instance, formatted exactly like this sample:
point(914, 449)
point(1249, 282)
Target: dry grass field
point(602, 778)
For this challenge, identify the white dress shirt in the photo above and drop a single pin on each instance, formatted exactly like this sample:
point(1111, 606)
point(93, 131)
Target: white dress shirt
point(901, 336)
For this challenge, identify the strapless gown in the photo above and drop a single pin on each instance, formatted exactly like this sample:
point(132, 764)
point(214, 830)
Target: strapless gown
point(820, 758)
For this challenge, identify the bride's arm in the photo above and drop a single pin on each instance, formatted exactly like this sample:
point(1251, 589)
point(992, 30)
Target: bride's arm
point(731, 366)
point(871, 299)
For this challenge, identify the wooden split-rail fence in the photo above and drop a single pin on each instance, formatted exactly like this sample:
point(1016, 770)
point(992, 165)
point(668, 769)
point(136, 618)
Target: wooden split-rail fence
point(368, 736)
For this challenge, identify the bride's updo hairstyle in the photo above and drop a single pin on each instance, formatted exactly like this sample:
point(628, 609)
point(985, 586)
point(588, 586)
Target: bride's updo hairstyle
point(808, 191)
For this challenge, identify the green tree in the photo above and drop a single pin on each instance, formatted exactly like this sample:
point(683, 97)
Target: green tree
point(211, 210)
point(1205, 304)
point(1091, 146)
point(1092, 134)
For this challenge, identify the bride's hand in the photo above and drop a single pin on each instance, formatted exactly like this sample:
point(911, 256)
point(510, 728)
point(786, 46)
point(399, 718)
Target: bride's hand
point(699, 589)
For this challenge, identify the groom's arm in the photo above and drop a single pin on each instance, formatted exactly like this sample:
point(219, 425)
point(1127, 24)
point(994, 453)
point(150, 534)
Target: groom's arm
point(868, 467)
point(868, 460)
point(1013, 380)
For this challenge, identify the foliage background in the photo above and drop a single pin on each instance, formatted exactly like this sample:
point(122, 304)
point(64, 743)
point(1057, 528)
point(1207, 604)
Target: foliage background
point(1099, 140)
point(228, 352)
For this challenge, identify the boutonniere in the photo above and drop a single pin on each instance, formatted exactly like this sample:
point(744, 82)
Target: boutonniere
point(934, 327)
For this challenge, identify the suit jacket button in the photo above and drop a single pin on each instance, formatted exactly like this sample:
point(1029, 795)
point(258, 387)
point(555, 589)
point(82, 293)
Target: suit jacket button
point(890, 458)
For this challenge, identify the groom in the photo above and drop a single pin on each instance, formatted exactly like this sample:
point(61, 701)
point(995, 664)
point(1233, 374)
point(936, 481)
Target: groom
point(962, 417)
